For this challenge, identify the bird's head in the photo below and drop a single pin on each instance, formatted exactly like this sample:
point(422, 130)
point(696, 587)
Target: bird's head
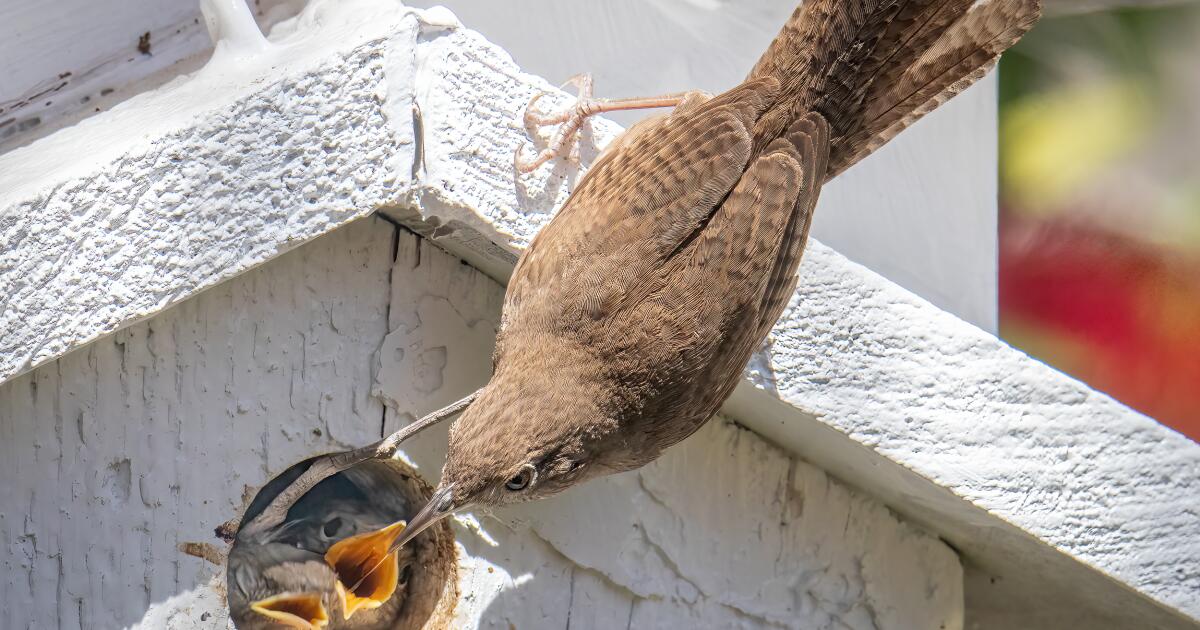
point(514, 445)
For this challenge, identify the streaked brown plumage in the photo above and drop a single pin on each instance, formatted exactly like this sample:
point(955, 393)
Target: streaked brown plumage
point(631, 316)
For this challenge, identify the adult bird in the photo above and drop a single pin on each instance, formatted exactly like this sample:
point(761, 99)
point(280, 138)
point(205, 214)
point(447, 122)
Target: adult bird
point(631, 316)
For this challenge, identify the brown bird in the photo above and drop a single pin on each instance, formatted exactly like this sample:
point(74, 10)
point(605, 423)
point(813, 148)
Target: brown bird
point(631, 316)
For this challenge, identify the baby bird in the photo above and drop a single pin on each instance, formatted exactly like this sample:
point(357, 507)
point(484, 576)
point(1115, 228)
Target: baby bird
point(307, 573)
point(277, 585)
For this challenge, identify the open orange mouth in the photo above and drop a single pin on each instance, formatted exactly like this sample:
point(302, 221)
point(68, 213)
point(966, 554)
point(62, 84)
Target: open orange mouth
point(303, 611)
point(367, 571)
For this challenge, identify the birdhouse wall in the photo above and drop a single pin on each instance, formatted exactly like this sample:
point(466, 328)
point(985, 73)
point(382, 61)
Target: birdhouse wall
point(117, 453)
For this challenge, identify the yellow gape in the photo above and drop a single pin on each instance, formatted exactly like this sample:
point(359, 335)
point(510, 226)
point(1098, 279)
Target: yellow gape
point(366, 568)
point(303, 611)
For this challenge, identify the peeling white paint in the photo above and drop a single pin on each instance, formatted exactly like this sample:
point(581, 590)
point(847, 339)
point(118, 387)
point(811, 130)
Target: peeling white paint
point(442, 330)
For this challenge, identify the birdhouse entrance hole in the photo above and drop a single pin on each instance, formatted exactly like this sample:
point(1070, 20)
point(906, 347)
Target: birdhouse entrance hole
point(365, 498)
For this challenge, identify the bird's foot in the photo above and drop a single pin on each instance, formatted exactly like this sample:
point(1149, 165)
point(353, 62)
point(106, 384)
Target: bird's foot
point(571, 119)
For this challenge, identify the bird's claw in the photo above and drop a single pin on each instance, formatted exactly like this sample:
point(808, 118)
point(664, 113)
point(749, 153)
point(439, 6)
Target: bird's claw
point(570, 119)
point(528, 165)
point(533, 119)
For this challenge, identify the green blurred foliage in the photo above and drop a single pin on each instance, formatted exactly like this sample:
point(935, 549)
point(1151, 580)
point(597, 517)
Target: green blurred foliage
point(1123, 41)
point(1100, 118)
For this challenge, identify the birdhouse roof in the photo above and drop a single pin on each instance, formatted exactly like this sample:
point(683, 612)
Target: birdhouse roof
point(1074, 498)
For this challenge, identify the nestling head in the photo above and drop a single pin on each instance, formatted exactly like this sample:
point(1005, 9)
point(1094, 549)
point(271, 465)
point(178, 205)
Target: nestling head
point(273, 585)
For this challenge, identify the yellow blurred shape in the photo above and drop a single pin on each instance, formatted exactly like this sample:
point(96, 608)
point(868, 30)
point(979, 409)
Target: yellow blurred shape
point(1053, 143)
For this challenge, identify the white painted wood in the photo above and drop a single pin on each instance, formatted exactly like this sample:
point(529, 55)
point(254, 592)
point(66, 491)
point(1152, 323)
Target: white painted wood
point(69, 59)
point(965, 420)
point(177, 210)
point(115, 454)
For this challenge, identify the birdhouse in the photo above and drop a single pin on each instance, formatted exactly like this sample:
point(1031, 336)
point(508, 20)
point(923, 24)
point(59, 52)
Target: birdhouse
point(303, 245)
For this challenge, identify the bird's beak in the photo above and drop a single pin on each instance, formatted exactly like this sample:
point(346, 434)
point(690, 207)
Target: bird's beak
point(303, 611)
point(366, 568)
point(366, 564)
point(440, 505)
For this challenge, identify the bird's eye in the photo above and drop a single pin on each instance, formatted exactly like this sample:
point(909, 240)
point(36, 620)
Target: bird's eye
point(332, 527)
point(521, 480)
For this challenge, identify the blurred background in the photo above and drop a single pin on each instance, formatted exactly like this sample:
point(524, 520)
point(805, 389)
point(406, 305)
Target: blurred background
point(1100, 204)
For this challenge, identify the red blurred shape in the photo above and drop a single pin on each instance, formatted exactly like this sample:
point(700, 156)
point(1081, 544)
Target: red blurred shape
point(1109, 310)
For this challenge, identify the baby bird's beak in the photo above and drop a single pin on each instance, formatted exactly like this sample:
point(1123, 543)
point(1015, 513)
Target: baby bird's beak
point(303, 611)
point(366, 564)
point(366, 568)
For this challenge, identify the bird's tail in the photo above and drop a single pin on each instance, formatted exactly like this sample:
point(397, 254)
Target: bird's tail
point(873, 67)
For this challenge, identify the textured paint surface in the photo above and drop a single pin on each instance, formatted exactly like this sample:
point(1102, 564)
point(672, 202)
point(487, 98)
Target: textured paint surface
point(1068, 465)
point(178, 214)
point(115, 454)
point(1061, 500)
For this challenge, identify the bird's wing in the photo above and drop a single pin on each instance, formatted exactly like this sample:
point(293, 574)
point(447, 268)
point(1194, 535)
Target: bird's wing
point(638, 205)
point(809, 140)
point(744, 263)
point(728, 286)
